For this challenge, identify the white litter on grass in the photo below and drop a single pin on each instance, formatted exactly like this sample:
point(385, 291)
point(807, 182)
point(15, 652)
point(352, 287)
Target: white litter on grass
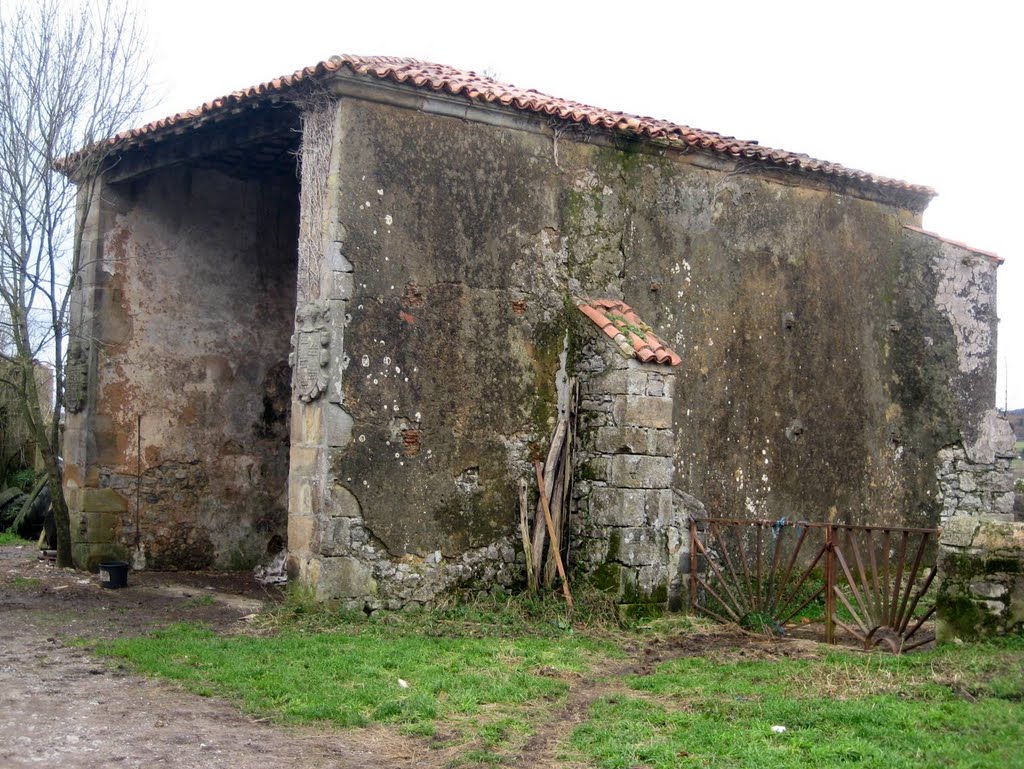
point(778, 729)
point(403, 683)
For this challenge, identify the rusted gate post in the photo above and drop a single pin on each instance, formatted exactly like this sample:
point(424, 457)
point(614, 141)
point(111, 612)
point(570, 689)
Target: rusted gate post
point(830, 585)
point(693, 565)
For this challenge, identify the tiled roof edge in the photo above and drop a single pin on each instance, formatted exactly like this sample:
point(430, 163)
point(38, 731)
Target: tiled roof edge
point(981, 252)
point(479, 88)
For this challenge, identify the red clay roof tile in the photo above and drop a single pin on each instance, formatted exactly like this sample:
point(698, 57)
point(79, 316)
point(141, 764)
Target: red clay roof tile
point(442, 78)
point(621, 324)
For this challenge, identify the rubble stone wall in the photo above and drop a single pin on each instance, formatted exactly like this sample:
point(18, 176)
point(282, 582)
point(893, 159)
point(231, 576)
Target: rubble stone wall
point(973, 467)
point(977, 480)
point(981, 566)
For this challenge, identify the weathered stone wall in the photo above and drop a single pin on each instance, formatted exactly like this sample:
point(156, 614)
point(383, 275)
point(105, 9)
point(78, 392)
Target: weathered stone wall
point(981, 565)
point(816, 359)
point(441, 382)
point(364, 456)
point(628, 534)
point(977, 445)
point(977, 479)
point(182, 319)
point(794, 310)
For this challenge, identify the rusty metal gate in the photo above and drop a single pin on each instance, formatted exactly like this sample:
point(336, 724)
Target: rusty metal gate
point(869, 582)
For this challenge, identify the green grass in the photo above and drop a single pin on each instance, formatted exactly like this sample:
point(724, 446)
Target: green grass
point(483, 678)
point(353, 679)
point(10, 538)
point(486, 675)
point(959, 706)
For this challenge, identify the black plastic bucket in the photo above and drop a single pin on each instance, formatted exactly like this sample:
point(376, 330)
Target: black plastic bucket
point(114, 574)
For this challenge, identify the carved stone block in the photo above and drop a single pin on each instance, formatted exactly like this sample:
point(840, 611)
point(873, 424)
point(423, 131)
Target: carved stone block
point(310, 351)
point(76, 380)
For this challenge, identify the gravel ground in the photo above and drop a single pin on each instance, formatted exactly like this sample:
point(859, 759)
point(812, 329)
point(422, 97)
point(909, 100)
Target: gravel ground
point(60, 706)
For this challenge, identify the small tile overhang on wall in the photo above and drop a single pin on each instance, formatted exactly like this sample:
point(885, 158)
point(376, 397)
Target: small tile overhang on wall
point(631, 335)
point(996, 258)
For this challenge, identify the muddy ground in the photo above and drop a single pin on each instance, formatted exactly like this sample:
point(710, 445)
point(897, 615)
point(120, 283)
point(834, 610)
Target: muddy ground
point(61, 706)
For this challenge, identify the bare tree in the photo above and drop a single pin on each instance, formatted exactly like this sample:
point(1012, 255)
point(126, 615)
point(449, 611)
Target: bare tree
point(71, 75)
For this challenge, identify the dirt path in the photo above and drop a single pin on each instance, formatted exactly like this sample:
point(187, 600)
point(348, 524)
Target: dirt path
point(543, 749)
point(59, 706)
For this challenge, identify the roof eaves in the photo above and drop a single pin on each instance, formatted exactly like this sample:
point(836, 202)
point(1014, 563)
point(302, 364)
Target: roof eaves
point(480, 89)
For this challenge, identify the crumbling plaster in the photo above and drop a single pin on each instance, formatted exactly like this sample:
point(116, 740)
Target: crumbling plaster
point(975, 450)
point(185, 309)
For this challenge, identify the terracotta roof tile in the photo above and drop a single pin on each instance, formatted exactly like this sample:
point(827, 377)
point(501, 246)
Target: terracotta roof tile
point(631, 335)
point(444, 79)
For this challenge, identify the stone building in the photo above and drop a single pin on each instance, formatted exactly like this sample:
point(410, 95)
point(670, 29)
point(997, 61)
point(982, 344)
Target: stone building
point(337, 312)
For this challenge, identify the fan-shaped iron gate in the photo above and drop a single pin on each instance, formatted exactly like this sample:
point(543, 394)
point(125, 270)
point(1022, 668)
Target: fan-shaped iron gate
point(870, 582)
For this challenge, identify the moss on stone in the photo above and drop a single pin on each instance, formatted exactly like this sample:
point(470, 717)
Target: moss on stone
point(548, 342)
point(574, 207)
point(474, 519)
point(963, 566)
point(660, 593)
point(630, 613)
point(1002, 565)
point(614, 545)
point(960, 618)
point(607, 577)
point(958, 565)
point(90, 556)
point(631, 593)
point(629, 156)
point(240, 560)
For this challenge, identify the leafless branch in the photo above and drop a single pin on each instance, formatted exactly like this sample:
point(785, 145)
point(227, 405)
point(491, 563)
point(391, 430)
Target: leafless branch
point(71, 76)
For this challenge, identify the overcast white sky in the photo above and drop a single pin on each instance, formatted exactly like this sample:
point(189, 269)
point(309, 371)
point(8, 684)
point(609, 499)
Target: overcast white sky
point(929, 92)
